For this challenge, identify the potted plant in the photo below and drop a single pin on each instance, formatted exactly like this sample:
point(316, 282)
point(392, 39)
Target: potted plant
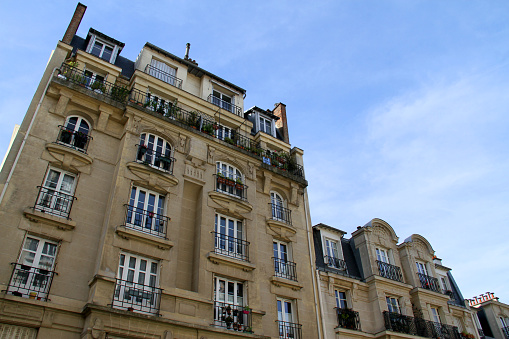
point(248, 329)
point(239, 184)
point(98, 87)
point(119, 93)
point(220, 178)
point(228, 140)
point(247, 310)
point(228, 320)
point(66, 136)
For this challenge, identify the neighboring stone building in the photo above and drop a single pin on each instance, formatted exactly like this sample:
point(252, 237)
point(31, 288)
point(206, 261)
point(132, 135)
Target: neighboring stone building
point(140, 200)
point(492, 316)
point(371, 286)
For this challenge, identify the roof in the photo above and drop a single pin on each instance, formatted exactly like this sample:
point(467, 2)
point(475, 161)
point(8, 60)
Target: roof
point(267, 112)
point(105, 37)
point(330, 228)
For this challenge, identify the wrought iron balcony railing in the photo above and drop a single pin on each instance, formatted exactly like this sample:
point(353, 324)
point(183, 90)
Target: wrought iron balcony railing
point(416, 326)
point(233, 317)
point(146, 221)
point(389, 271)
point(336, 263)
point(281, 213)
point(348, 318)
point(54, 202)
point(161, 161)
point(30, 282)
point(505, 330)
point(283, 161)
point(227, 183)
point(429, 283)
point(73, 139)
point(289, 330)
point(231, 246)
point(285, 269)
point(162, 75)
point(77, 76)
point(136, 297)
point(228, 106)
point(481, 333)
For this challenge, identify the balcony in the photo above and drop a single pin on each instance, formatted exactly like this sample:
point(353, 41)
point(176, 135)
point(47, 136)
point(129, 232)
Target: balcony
point(104, 88)
point(429, 283)
point(285, 269)
point(146, 221)
point(228, 106)
point(284, 162)
point(280, 213)
point(163, 76)
point(53, 202)
point(155, 159)
point(232, 317)
point(389, 271)
point(231, 185)
point(231, 246)
point(416, 326)
point(30, 282)
point(136, 297)
point(73, 139)
point(289, 330)
point(348, 319)
point(336, 263)
point(505, 330)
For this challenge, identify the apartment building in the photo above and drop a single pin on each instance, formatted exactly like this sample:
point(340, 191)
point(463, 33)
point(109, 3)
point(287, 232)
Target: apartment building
point(141, 199)
point(373, 286)
point(492, 316)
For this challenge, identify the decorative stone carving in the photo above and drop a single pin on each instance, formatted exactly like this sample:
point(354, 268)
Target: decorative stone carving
point(210, 155)
point(181, 147)
point(193, 172)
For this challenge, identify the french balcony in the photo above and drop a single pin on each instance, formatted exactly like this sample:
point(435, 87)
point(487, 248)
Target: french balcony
point(146, 221)
point(416, 326)
point(285, 269)
point(231, 184)
point(336, 263)
point(158, 160)
point(280, 213)
point(348, 318)
point(136, 297)
point(289, 330)
point(30, 282)
point(228, 106)
point(231, 246)
point(389, 271)
point(54, 202)
point(163, 76)
point(232, 317)
point(429, 283)
point(505, 330)
point(104, 88)
point(73, 139)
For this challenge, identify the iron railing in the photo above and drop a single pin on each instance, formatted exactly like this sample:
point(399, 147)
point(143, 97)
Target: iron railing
point(429, 283)
point(283, 162)
point(416, 326)
point(481, 333)
point(146, 221)
point(231, 186)
point(228, 106)
point(136, 297)
point(333, 262)
point(281, 213)
point(77, 76)
point(161, 161)
point(285, 269)
point(164, 76)
point(389, 271)
point(30, 282)
point(74, 139)
point(54, 202)
point(231, 246)
point(348, 318)
point(230, 316)
point(289, 330)
point(505, 330)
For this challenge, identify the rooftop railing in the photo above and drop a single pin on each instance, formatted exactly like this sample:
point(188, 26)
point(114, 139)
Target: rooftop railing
point(281, 213)
point(146, 221)
point(30, 282)
point(54, 202)
point(389, 271)
point(285, 269)
point(73, 139)
point(228, 106)
point(289, 330)
point(136, 297)
point(164, 76)
point(231, 316)
point(336, 263)
point(416, 326)
point(348, 318)
point(231, 246)
point(429, 283)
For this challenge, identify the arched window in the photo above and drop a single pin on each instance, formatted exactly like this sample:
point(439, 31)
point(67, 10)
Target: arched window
point(229, 180)
point(75, 133)
point(154, 151)
point(278, 207)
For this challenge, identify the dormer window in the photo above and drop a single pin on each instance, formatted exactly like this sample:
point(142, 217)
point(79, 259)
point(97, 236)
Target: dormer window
point(102, 46)
point(266, 125)
point(102, 51)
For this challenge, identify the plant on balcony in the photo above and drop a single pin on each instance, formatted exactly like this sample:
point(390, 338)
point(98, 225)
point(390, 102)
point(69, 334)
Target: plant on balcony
point(207, 128)
point(248, 329)
point(119, 93)
point(247, 310)
point(238, 183)
point(228, 140)
point(228, 320)
point(98, 86)
point(192, 119)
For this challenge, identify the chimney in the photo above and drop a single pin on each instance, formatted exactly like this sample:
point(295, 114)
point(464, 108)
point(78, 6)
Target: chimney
point(188, 46)
point(75, 23)
point(280, 111)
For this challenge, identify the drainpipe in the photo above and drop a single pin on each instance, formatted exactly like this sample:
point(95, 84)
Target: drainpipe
point(26, 136)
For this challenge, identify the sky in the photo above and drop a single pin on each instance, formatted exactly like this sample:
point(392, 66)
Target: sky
point(401, 107)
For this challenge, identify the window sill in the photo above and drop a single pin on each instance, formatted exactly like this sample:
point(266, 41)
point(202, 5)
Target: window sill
point(280, 230)
point(152, 176)
point(53, 220)
point(294, 285)
point(128, 233)
point(68, 157)
point(230, 204)
point(221, 259)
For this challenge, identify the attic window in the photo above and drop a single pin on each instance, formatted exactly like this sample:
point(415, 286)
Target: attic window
point(102, 51)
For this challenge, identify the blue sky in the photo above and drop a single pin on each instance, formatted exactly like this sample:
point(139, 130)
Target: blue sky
point(401, 107)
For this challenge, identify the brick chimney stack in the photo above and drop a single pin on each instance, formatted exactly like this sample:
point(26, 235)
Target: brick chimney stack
point(280, 111)
point(75, 23)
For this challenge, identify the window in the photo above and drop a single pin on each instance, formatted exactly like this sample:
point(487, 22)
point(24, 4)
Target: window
point(158, 104)
point(340, 299)
point(33, 272)
point(230, 180)
point(229, 237)
point(94, 81)
point(287, 319)
point(393, 305)
point(279, 212)
point(145, 212)
point(266, 125)
point(75, 133)
point(381, 255)
point(136, 286)
point(155, 152)
point(222, 100)
point(421, 268)
point(283, 266)
point(229, 304)
point(223, 132)
point(162, 71)
point(443, 282)
point(101, 50)
point(332, 255)
point(56, 194)
point(435, 316)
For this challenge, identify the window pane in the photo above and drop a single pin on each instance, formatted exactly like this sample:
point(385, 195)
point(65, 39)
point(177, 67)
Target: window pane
point(96, 50)
point(107, 53)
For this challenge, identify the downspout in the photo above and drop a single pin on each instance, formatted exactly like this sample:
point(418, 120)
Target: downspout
point(26, 137)
point(311, 255)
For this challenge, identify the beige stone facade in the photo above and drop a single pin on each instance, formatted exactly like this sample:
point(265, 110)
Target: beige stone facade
point(492, 316)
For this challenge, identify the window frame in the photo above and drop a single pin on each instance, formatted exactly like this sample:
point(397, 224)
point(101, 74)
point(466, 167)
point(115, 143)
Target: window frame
point(341, 302)
point(225, 243)
point(421, 267)
point(152, 148)
point(230, 172)
point(381, 254)
point(55, 200)
point(220, 102)
point(277, 200)
point(393, 303)
point(97, 40)
point(153, 214)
